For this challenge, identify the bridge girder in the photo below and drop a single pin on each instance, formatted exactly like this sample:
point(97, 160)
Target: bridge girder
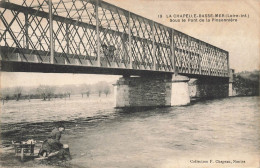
point(98, 34)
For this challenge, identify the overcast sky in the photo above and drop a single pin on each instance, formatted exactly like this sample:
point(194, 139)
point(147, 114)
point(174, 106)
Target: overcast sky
point(240, 39)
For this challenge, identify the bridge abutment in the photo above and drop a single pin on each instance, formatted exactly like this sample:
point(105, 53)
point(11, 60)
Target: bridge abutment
point(156, 91)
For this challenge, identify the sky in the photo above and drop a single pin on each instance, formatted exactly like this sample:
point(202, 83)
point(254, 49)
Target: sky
point(241, 39)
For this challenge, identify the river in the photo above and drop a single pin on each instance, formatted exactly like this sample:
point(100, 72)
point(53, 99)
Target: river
point(219, 130)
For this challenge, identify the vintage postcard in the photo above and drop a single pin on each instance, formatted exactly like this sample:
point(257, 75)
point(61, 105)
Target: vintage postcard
point(129, 83)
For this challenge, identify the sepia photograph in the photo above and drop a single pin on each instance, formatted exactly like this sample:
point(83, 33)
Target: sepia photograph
point(129, 83)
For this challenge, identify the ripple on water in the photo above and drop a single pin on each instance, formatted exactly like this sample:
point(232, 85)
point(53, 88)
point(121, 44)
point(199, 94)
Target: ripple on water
point(97, 133)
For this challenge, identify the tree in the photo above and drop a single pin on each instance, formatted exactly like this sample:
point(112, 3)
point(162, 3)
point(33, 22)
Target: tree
point(68, 89)
point(99, 92)
point(5, 94)
point(88, 93)
point(99, 87)
point(88, 90)
point(82, 94)
point(102, 87)
point(85, 89)
point(106, 90)
point(46, 91)
point(18, 93)
point(29, 92)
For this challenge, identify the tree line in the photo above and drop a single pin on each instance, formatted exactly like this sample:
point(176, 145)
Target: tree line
point(48, 92)
point(247, 83)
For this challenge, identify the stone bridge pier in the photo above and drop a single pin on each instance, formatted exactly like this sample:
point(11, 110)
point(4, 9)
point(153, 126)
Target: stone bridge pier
point(166, 90)
point(155, 91)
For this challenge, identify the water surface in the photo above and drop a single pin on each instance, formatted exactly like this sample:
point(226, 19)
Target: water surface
point(101, 136)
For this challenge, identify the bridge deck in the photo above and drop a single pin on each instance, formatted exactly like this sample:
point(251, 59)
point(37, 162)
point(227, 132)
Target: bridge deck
point(97, 34)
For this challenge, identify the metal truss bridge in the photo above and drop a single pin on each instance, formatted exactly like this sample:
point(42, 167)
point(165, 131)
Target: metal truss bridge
point(88, 36)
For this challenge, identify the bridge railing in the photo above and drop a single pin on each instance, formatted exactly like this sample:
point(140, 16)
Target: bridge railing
point(96, 33)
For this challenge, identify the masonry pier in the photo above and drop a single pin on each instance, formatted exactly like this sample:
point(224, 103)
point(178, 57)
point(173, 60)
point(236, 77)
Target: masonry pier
point(168, 90)
point(157, 91)
point(231, 90)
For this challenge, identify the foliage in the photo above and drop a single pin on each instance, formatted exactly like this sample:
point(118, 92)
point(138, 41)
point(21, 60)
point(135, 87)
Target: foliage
point(102, 87)
point(247, 83)
point(46, 91)
point(17, 93)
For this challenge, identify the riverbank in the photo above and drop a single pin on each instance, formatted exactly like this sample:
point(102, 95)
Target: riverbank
point(246, 83)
